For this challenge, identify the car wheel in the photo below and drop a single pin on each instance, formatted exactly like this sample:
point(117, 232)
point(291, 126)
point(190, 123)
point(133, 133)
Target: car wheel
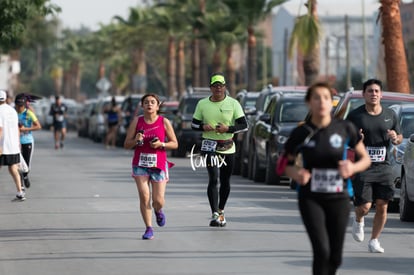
point(406, 206)
point(257, 173)
point(271, 177)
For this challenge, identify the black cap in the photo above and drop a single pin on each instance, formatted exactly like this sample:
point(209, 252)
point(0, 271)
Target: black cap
point(20, 100)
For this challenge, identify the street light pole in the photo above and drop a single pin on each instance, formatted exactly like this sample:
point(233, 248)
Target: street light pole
point(364, 41)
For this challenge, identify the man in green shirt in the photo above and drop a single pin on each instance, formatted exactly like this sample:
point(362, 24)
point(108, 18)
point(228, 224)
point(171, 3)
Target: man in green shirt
point(219, 116)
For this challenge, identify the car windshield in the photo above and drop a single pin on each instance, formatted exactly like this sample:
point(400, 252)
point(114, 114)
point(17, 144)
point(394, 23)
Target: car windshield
point(190, 105)
point(250, 102)
point(407, 124)
point(293, 111)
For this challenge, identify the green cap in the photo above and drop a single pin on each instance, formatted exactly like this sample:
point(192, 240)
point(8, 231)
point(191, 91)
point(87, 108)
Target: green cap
point(217, 78)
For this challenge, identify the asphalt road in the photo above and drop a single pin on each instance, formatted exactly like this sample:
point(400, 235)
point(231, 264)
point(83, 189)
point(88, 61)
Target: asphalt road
point(81, 217)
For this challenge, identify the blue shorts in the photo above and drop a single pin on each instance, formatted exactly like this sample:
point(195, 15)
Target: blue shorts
point(155, 174)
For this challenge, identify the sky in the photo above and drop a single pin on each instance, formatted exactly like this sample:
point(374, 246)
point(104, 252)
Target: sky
point(90, 13)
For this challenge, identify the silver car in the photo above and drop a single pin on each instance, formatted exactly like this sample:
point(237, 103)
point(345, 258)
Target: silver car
point(405, 115)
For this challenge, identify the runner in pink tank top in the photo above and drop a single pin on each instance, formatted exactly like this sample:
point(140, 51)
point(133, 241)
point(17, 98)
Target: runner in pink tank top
point(150, 135)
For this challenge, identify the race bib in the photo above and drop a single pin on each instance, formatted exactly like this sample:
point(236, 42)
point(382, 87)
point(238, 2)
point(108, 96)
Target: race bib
point(377, 154)
point(147, 160)
point(326, 181)
point(208, 145)
point(60, 117)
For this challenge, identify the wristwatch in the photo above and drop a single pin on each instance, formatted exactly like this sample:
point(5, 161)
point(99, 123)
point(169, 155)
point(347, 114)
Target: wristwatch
point(163, 145)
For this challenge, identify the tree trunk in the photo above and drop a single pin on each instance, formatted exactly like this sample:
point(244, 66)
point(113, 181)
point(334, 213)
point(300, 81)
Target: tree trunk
point(395, 58)
point(251, 60)
point(204, 75)
point(171, 68)
point(230, 71)
point(195, 62)
point(66, 83)
point(311, 61)
point(39, 67)
point(139, 71)
point(311, 65)
point(216, 61)
point(56, 75)
point(180, 69)
point(77, 76)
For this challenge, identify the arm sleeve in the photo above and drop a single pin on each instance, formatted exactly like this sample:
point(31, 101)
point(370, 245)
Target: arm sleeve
point(240, 125)
point(196, 124)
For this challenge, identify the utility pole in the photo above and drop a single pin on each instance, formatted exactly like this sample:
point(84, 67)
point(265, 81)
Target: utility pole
point(364, 41)
point(327, 58)
point(285, 54)
point(348, 66)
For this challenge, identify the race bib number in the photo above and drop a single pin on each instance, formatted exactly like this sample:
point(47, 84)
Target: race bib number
point(326, 181)
point(60, 117)
point(208, 145)
point(377, 154)
point(147, 160)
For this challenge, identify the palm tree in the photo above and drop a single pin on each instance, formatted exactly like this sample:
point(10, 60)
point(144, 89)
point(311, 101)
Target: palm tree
point(395, 58)
point(71, 56)
point(42, 34)
point(134, 33)
point(250, 13)
point(167, 18)
point(222, 31)
point(306, 38)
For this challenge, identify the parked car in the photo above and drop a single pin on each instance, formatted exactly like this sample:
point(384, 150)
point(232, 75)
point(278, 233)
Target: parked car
point(261, 103)
point(169, 109)
point(186, 136)
point(353, 99)
point(248, 102)
point(97, 121)
point(72, 113)
point(407, 183)
point(405, 114)
point(271, 131)
point(84, 115)
point(42, 108)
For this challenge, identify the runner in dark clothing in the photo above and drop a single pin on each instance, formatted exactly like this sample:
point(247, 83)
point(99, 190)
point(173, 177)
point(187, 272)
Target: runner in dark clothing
point(379, 127)
point(58, 110)
point(323, 193)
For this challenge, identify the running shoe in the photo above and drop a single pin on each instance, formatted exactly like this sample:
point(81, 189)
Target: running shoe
point(160, 218)
point(20, 196)
point(26, 181)
point(149, 234)
point(222, 219)
point(61, 144)
point(215, 219)
point(358, 230)
point(374, 246)
point(56, 146)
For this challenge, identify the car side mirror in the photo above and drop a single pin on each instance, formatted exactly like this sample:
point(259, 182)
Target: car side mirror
point(265, 118)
